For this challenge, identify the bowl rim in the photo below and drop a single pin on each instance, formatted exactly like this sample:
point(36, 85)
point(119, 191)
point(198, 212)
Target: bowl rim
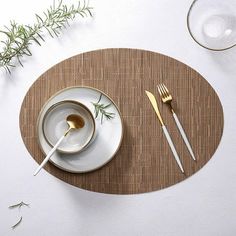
point(191, 33)
point(78, 104)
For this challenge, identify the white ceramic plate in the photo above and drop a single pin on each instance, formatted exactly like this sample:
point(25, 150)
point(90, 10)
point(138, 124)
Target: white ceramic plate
point(107, 138)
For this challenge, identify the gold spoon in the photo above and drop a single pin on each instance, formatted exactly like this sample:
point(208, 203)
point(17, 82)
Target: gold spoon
point(74, 122)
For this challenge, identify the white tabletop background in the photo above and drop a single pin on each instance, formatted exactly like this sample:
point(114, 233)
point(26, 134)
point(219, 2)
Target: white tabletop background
point(204, 204)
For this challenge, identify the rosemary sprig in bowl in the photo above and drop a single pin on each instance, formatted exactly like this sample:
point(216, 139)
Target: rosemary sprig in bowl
point(19, 37)
point(100, 108)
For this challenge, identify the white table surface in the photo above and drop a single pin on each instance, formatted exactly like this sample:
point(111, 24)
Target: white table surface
point(204, 204)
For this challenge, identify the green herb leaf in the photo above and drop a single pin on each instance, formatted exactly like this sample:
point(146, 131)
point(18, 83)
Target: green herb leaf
point(19, 37)
point(19, 205)
point(101, 109)
point(15, 225)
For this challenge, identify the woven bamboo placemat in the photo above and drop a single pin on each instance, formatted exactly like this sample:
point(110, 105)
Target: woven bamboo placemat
point(144, 162)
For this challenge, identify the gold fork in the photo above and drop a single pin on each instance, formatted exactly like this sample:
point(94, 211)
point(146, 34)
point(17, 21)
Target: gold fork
point(167, 99)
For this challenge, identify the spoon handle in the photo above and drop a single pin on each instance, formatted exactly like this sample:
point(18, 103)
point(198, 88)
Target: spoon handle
point(49, 155)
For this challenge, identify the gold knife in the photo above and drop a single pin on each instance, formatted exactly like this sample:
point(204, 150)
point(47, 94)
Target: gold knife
point(169, 140)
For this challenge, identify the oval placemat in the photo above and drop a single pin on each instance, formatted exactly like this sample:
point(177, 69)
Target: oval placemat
point(144, 162)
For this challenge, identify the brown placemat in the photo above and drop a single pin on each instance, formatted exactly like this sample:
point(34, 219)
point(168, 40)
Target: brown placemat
point(144, 162)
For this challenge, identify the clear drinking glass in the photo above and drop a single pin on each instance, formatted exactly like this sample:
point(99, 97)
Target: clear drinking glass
point(212, 23)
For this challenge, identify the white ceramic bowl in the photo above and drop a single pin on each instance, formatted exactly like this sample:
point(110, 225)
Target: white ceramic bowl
point(55, 126)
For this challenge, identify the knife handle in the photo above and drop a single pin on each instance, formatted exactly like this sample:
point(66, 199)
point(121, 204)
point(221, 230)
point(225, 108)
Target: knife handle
point(184, 136)
point(172, 147)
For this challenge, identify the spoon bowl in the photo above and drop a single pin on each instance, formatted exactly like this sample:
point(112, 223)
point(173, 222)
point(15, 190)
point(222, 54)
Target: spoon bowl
point(74, 122)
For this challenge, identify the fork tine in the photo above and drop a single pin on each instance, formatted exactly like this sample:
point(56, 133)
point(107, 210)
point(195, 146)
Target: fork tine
point(159, 90)
point(166, 88)
point(162, 93)
point(163, 90)
point(167, 91)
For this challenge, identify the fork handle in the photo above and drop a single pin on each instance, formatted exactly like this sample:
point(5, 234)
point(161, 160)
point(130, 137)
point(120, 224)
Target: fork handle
point(184, 136)
point(172, 147)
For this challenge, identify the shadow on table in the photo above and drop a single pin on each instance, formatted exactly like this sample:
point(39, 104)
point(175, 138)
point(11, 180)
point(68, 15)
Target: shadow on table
point(226, 60)
point(88, 208)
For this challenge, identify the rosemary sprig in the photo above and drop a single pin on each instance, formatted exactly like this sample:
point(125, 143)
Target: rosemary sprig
point(19, 205)
point(100, 108)
point(18, 222)
point(19, 37)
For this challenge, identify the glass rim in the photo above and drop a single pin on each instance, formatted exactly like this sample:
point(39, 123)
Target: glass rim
point(190, 32)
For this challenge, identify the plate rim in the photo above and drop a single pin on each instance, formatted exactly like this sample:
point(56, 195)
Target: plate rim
point(83, 87)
